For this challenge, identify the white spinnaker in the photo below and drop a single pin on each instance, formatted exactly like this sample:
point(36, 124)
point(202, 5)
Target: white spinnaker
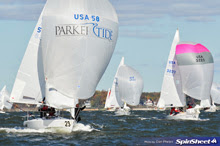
point(205, 103)
point(215, 93)
point(107, 101)
point(196, 68)
point(4, 99)
point(26, 87)
point(130, 85)
point(78, 40)
point(171, 92)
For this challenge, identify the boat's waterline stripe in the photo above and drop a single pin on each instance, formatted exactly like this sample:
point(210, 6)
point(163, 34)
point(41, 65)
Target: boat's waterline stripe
point(194, 58)
point(190, 48)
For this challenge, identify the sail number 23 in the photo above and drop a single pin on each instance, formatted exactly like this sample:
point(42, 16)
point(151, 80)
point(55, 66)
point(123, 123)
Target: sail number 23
point(67, 124)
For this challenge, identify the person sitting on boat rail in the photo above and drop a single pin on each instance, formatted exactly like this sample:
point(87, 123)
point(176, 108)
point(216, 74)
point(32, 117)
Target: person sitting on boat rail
point(77, 111)
point(189, 106)
point(43, 109)
point(174, 110)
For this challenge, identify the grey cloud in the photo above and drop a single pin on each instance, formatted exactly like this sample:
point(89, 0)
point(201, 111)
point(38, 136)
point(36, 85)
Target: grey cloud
point(138, 12)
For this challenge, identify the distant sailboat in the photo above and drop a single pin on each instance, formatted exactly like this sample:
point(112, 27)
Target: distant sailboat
point(130, 87)
point(113, 100)
point(215, 98)
point(4, 100)
point(77, 43)
point(189, 72)
point(207, 105)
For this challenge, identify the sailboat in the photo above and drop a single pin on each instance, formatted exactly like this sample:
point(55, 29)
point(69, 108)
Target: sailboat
point(130, 87)
point(111, 103)
point(4, 100)
point(189, 71)
point(207, 106)
point(113, 100)
point(215, 98)
point(77, 43)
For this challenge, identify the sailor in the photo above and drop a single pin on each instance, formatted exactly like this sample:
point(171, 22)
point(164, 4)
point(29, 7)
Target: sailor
point(174, 110)
point(52, 112)
point(43, 109)
point(77, 111)
point(189, 106)
point(181, 109)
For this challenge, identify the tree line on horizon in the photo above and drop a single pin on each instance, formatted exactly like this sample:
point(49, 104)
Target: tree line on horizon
point(99, 98)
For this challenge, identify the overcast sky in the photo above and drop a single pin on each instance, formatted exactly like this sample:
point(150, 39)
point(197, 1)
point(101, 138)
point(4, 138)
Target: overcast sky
point(146, 32)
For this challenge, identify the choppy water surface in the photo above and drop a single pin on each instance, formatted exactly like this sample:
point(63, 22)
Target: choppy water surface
point(104, 128)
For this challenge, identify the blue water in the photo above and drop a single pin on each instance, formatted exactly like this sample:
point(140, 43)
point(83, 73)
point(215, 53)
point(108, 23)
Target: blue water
point(104, 128)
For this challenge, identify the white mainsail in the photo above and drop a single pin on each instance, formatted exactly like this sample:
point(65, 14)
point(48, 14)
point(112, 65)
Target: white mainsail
point(4, 99)
point(171, 92)
point(215, 93)
point(78, 40)
point(27, 84)
point(130, 85)
point(196, 68)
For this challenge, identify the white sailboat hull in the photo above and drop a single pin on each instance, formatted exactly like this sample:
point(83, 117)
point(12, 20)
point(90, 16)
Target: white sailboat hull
point(190, 114)
point(2, 112)
point(55, 123)
point(111, 109)
point(123, 112)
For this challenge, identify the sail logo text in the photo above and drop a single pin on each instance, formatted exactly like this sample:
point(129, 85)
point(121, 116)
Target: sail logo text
point(132, 79)
point(200, 58)
point(39, 29)
point(171, 71)
point(83, 30)
point(172, 62)
point(102, 32)
point(86, 17)
point(71, 30)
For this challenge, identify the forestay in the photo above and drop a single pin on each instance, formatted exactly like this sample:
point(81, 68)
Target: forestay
point(27, 84)
point(130, 85)
point(215, 93)
point(171, 92)
point(196, 68)
point(78, 40)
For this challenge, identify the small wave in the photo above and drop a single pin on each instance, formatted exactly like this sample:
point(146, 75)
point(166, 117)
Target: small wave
point(141, 118)
point(98, 125)
point(122, 120)
point(202, 120)
point(24, 130)
point(81, 127)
